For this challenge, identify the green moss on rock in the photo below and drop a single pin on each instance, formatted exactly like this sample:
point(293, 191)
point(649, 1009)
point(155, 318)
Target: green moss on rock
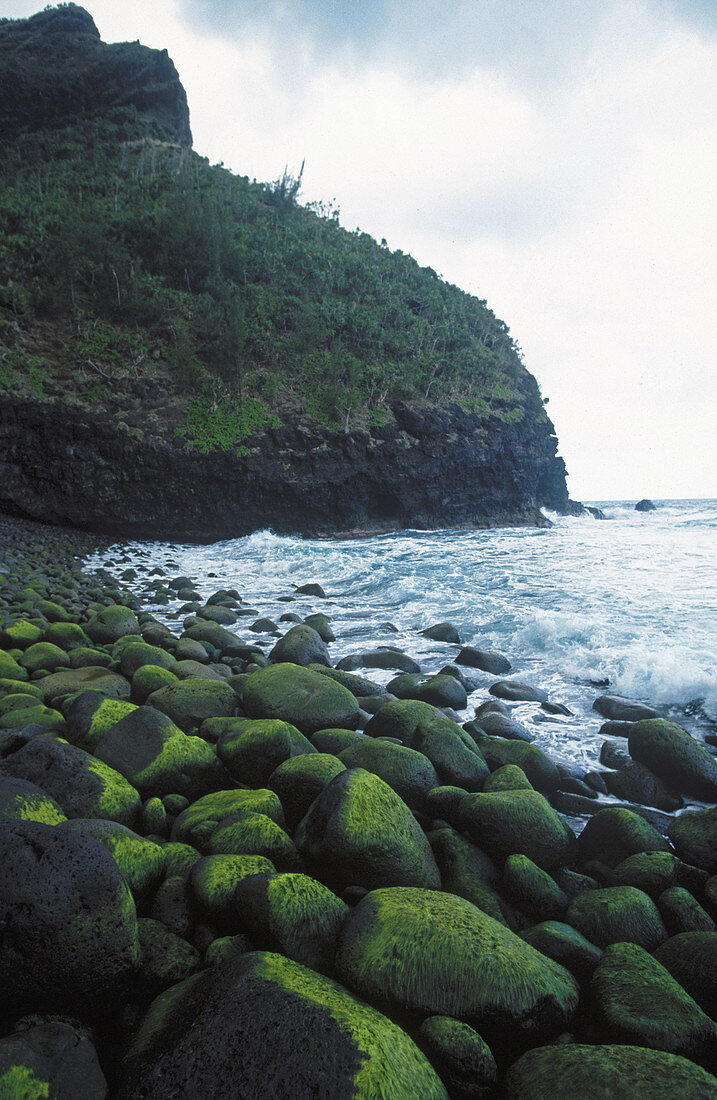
point(517, 822)
point(694, 836)
point(294, 694)
point(615, 914)
point(613, 834)
point(196, 824)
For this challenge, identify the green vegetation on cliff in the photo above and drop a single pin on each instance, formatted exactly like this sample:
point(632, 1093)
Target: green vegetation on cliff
point(126, 258)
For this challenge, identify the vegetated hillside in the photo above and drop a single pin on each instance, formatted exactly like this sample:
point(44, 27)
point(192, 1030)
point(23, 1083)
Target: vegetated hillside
point(187, 313)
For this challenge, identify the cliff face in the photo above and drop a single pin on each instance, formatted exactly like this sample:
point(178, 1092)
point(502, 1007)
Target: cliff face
point(158, 316)
point(429, 468)
point(54, 70)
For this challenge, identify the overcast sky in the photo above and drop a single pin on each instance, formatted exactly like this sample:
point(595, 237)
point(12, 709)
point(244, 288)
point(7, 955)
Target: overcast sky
point(556, 157)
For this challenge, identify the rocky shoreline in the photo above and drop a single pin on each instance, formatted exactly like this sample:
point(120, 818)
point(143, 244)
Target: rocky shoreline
point(235, 870)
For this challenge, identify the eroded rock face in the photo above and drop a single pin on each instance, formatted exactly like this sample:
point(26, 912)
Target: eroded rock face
point(59, 51)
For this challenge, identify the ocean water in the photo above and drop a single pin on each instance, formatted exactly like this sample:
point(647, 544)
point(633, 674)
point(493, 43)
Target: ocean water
point(624, 606)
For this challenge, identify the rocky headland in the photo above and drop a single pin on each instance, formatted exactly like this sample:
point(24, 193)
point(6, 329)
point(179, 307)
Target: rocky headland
point(242, 867)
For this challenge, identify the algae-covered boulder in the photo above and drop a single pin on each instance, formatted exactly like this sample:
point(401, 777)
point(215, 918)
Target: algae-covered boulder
point(252, 833)
point(69, 940)
point(506, 823)
point(297, 695)
point(681, 912)
point(532, 890)
point(214, 881)
point(21, 800)
point(20, 634)
point(565, 945)
point(112, 623)
point(409, 773)
point(691, 958)
point(140, 653)
point(617, 913)
point(148, 679)
point(90, 678)
point(654, 872)
point(675, 757)
point(539, 768)
point(468, 872)
point(441, 690)
point(564, 1072)
point(324, 1042)
point(400, 718)
point(252, 748)
point(335, 741)
point(10, 669)
point(166, 958)
point(638, 1001)
point(197, 822)
point(301, 917)
point(44, 655)
point(50, 1058)
point(190, 701)
point(463, 1059)
point(613, 834)
point(694, 836)
point(359, 832)
point(141, 862)
point(437, 954)
point(509, 777)
point(301, 645)
point(301, 779)
point(68, 636)
point(80, 784)
point(158, 758)
point(451, 750)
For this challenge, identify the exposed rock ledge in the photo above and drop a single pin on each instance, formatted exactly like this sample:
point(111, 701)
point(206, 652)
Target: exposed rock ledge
point(428, 468)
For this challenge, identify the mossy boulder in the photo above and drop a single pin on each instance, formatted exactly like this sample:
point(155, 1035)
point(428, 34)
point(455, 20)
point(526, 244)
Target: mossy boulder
point(165, 958)
point(532, 889)
point(297, 695)
point(89, 657)
point(409, 773)
point(437, 954)
point(140, 653)
point(50, 1058)
point(459, 1054)
point(694, 836)
point(70, 939)
point(33, 715)
point(539, 768)
point(252, 748)
point(469, 873)
point(112, 623)
point(691, 958)
point(141, 862)
point(564, 1072)
point(91, 715)
point(301, 917)
point(197, 822)
point(21, 800)
point(300, 779)
point(190, 701)
point(158, 758)
point(638, 1001)
point(509, 777)
point(613, 834)
point(506, 823)
point(150, 678)
point(252, 833)
point(681, 912)
point(615, 914)
point(441, 690)
point(675, 757)
point(335, 741)
point(44, 655)
point(214, 881)
point(359, 832)
point(564, 944)
point(19, 635)
point(654, 872)
point(91, 678)
point(82, 785)
point(301, 645)
point(172, 905)
point(10, 669)
point(68, 636)
point(400, 718)
point(324, 1041)
point(451, 750)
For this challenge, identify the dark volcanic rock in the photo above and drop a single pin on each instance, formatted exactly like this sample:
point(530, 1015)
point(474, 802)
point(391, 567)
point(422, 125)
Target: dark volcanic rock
point(89, 472)
point(645, 505)
point(55, 69)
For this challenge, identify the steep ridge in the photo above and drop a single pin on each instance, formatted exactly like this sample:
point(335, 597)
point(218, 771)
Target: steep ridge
point(187, 353)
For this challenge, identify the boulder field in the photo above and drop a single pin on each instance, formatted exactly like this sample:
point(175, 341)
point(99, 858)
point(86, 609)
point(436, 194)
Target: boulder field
point(233, 870)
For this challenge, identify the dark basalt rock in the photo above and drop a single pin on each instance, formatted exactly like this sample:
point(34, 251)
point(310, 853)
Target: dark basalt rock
point(87, 471)
point(55, 70)
point(645, 505)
